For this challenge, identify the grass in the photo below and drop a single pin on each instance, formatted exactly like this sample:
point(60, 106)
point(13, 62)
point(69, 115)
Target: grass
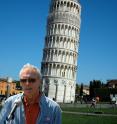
point(91, 110)
point(82, 119)
point(88, 119)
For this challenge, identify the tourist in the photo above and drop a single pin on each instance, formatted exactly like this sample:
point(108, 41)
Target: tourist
point(31, 106)
point(93, 103)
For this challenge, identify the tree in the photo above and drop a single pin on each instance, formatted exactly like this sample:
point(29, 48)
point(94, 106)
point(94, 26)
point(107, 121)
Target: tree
point(77, 93)
point(81, 90)
point(94, 85)
point(77, 89)
point(18, 86)
point(91, 89)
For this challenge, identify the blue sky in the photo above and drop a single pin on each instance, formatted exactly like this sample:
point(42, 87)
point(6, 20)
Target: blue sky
point(23, 29)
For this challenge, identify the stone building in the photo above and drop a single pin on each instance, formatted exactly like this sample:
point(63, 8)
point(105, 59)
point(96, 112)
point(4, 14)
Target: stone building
point(112, 83)
point(6, 87)
point(60, 53)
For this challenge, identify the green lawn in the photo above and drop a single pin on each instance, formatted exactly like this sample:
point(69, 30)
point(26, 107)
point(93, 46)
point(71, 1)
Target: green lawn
point(91, 110)
point(82, 119)
point(88, 119)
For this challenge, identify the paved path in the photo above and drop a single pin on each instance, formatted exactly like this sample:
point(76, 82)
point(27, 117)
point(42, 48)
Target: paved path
point(86, 113)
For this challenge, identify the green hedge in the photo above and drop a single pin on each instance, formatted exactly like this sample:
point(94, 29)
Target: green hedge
point(104, 93)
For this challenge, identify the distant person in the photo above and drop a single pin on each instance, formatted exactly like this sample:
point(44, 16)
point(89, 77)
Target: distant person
point(81, 99)
point(93, 103)
point(32, 106)
point(113, 101)
point(54, 99)
point(97, 99)
point(116, 103)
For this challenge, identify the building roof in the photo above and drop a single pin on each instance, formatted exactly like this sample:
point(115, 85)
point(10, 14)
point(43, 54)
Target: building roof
point(113, 81)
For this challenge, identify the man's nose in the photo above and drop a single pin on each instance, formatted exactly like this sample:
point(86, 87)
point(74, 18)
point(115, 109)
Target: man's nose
point(27, 82)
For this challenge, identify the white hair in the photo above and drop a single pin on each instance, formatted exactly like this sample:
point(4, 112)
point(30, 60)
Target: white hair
point(28, 65)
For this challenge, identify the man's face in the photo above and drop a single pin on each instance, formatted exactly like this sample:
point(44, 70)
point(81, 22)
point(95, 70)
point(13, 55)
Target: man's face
point(30, 82)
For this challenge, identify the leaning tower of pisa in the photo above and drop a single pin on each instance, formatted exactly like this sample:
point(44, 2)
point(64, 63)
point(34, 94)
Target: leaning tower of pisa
point(60, 53)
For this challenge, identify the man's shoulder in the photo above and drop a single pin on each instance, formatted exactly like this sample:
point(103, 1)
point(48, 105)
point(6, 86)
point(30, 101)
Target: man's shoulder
point(49, 105)
point(13, 98)
point(49, 101)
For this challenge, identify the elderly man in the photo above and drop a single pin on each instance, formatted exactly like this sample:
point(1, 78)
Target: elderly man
point(30, 107)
